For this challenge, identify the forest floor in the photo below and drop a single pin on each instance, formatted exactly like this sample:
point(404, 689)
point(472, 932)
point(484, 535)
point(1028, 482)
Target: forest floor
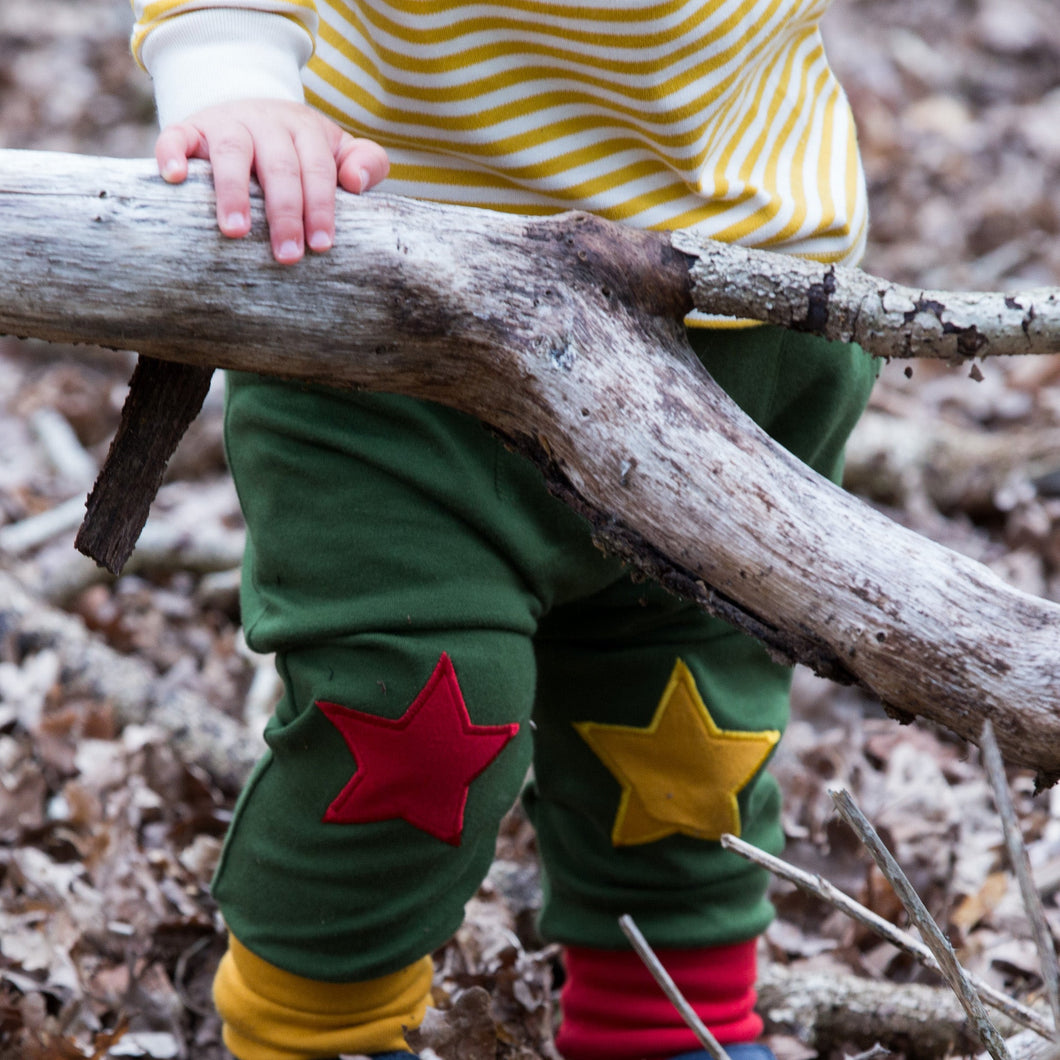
point(109, 833)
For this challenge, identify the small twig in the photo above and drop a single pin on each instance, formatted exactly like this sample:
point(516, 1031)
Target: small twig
point(833, 1009)
point(669, 988)
point(1017, 852)
point(162, 546)
point(36, 530)
point(933, 936)
point(1028, 1046)
point(828, 892)
point(180, 976)
point(62, 446)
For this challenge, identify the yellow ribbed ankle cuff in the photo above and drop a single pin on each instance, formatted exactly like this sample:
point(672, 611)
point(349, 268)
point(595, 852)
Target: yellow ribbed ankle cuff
point(270, 1014)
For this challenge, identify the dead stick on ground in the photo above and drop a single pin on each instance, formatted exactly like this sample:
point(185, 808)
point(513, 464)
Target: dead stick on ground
point(1017, 852)
point(933, 936)
point(828, 892)
point(669, 988)
point(36, 530)
point(840, 1010)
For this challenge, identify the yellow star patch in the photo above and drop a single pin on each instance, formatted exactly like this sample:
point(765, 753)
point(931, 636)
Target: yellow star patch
point(681, 773)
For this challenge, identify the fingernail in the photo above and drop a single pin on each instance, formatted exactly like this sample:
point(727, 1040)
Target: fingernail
point(236, 220)
point(320, 241)
point(289, 250)
point(171, 170)
point(366, 179)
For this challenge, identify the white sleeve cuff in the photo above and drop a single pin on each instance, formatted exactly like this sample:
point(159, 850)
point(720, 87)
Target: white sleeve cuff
point(216, 55)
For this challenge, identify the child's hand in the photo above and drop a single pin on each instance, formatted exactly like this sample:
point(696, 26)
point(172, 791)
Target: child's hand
point(298, 156)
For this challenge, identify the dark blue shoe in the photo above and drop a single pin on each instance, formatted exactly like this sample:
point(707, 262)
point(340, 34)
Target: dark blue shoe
point(744, 1051)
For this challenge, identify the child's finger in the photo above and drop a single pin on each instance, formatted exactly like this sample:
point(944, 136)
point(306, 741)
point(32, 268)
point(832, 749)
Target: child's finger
point(297, 156)
point(361, 163)
point(174, 146)
point(279, 172)
point(230, 148)
point(318, 186)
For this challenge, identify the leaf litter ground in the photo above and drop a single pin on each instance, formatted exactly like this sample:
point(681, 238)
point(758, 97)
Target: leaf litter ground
point(108, 836)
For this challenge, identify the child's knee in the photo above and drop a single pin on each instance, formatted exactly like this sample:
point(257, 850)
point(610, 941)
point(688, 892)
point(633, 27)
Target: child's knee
point(371, 822)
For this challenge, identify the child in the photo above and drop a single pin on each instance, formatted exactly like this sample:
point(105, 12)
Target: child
point(439, 620)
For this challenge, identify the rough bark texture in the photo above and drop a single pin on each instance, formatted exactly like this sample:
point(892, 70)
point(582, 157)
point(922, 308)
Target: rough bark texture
point(833, 1013)
point(852, 306)
point(563, 333)
point(162, 401)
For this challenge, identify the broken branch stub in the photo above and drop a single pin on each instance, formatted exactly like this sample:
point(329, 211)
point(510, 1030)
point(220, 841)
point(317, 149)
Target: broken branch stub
point(564, 334)
point(163, 400)
point(848, 305)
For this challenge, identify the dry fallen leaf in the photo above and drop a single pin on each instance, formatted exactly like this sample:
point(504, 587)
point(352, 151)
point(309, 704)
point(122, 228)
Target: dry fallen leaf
point(108, 935)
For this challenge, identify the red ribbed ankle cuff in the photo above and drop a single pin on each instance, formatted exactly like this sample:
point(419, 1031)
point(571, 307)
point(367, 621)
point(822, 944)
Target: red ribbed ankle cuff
point(614, 1010)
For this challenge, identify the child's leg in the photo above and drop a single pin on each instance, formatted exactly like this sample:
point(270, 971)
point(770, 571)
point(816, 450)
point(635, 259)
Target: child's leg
point(361, 836)
point(653, 724)
point(386, 541)
point(394, 580)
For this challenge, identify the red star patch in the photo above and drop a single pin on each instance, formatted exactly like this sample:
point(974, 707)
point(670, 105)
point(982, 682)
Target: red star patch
point(417, 767)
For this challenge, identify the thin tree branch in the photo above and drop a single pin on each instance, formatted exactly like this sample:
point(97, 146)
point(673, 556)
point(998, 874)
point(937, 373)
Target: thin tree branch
point(1028, 1046)
point(669, 988)
point(36, 530)
point(828, 892)
point(162, 401)
point(1017, 853)
point(933, 936)
point(836, 1011)
point(62, 446)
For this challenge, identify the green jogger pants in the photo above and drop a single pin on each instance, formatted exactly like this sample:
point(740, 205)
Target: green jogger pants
point(441, 623)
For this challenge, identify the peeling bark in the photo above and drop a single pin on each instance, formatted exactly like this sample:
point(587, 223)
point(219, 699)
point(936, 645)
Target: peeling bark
point(849, 305)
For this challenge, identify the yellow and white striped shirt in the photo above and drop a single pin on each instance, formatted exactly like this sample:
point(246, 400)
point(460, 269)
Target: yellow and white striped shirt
point(718, 114)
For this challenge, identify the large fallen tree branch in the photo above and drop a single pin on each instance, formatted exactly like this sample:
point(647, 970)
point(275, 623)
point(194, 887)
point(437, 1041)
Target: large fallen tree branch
point(564, 334)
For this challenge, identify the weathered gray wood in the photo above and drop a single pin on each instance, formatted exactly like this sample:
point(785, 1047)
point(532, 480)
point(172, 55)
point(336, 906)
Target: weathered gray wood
point(849, 305)
point(833, 1012)
point(564, 334)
